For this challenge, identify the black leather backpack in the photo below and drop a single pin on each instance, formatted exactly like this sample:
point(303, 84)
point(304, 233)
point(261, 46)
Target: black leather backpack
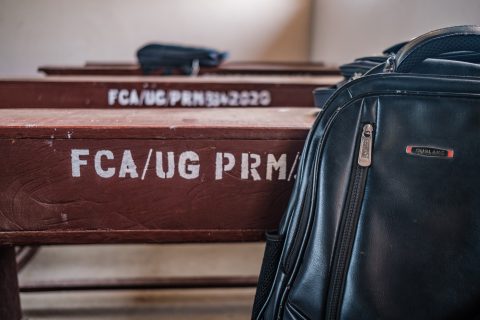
point(384, 218)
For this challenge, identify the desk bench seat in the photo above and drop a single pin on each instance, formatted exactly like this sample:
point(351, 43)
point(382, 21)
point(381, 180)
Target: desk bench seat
point(71, 176)
point(166, 175)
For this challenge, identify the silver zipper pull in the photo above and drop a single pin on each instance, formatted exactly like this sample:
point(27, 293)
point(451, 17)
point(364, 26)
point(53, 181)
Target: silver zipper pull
point(365, 152)
point(390, 64)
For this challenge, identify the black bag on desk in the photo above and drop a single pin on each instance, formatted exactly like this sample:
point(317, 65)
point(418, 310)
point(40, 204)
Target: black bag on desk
point(153, 57)
point(360, 66)
point(384, 218)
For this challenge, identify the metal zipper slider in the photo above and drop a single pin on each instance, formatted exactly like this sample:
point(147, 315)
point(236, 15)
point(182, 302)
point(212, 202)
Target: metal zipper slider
point(365, 152)
point(390, 64)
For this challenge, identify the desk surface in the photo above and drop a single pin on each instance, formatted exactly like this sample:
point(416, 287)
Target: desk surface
point(170, 175)
point(174, 123)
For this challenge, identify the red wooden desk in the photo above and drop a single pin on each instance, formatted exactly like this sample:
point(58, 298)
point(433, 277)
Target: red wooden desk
point(158, 92)
point(152, 176)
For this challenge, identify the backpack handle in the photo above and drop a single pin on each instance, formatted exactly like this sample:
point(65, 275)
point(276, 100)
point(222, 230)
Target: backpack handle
point(434, 43)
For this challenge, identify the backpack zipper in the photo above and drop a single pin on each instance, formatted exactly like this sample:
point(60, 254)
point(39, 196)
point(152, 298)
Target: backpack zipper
point(300, 230)
point(348, 227)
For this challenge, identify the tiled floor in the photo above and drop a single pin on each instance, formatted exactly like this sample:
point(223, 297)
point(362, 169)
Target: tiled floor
point(79, 262)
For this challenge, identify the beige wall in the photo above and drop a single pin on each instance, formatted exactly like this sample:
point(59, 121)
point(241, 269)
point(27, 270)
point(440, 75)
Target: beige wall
point(345, 29)
point(35, 32)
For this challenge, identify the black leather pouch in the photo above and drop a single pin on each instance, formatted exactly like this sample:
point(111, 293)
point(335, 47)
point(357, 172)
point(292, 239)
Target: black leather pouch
point(155, 56)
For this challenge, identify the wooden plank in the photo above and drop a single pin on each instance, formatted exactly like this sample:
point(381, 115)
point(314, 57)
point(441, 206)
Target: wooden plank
point(169, 175)
point(140, 283)
point(9, 293)
point(228, 68)
point(24, 254)
point(173, 124)
point(237, 64)
point(109, 63)
point(157, 92)
point(274, 68)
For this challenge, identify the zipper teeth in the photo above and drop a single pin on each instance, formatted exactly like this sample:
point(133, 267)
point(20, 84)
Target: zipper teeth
point(338, 278)
point(299, 232)
point(302, 225)
point(348, 228)
point(296, 242)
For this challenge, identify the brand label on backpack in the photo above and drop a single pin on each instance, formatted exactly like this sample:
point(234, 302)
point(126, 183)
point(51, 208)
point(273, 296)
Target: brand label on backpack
point(429, 152)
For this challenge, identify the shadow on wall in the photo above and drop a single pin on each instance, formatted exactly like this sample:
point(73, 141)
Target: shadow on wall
point(294, 37)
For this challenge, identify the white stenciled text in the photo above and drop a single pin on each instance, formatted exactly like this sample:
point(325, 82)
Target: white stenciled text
point(188, 165)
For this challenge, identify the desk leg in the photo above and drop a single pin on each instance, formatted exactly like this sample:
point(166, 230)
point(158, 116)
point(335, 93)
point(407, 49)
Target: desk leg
point(9, 295)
